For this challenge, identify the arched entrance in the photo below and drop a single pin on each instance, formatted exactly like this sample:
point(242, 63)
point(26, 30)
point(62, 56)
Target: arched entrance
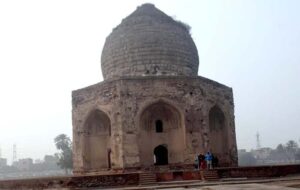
point(161, 124)
point(218, 131)
point(161, 155)
point(96, 151)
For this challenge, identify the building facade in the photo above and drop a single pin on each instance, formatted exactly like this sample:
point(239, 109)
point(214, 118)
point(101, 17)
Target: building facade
point(152, 108)
point(3, 162)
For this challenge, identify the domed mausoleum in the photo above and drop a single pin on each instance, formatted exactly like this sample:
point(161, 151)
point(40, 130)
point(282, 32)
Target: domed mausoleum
point(152, 108)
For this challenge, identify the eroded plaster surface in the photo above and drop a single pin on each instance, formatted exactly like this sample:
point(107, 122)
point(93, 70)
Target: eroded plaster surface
point(152, 108)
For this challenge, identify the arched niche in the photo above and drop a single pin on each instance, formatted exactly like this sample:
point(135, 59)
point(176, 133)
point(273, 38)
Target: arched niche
point(160, 123)
point(218, 132)
point(96, 149)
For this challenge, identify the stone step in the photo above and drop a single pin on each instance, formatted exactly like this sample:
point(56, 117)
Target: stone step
point(147, 178)
point(211, 175)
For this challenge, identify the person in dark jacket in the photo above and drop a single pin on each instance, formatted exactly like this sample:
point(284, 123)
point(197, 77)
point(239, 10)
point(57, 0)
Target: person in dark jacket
point(215, 161)
point(197, 162)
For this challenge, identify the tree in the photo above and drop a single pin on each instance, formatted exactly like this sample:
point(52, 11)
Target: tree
point(280, 148)
point(247, 159)
point(279, 154)
point(297, 155)
point(64, 144)
point(291, 148)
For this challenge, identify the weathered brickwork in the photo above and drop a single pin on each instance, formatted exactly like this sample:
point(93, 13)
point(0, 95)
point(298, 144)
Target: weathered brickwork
point(191, 97)
point(152, 108)
point(148, 42)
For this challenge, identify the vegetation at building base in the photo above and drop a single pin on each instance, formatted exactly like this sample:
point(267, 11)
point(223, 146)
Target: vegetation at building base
point(288, 153)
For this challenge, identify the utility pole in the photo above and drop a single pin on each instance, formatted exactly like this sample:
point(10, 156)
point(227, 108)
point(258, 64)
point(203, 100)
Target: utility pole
point(14, 153)
point(258, 141)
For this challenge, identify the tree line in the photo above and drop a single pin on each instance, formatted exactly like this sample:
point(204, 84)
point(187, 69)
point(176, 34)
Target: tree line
point(288, 153)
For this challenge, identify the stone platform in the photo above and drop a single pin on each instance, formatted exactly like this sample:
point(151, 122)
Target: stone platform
point(238, 187)
point(166, 179)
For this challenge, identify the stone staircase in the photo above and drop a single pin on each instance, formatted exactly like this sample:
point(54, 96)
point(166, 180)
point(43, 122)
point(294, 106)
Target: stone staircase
point(147, 178)
point(211, 175)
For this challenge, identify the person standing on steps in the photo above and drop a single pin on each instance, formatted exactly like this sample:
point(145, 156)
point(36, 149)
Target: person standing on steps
point(208, 159)
point(201, 159)
point(197, 162)
point(215, 161)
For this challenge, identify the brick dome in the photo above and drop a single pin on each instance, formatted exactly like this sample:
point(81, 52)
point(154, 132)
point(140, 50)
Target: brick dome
point(149, 43)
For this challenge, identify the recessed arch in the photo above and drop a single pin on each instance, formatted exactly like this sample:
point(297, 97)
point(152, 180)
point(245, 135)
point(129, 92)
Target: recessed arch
point(218, 131)
point(96, 149)
point(160, 111)
point(216, 118)
point(161, 123)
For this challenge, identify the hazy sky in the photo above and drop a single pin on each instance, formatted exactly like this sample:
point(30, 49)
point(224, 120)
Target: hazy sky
point(49, 48)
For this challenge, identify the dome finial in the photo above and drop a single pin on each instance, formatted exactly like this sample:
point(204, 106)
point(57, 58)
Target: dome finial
point(147, 5)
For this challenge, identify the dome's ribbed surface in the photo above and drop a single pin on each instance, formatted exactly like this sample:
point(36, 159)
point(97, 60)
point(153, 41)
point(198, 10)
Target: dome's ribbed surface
point(149, 42)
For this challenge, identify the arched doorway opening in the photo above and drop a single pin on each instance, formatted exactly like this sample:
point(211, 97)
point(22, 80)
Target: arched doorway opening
point(96, 149)
point(218, 131)
point(161, 155)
